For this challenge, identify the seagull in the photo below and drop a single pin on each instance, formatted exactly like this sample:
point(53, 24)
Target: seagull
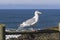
point(31, 21)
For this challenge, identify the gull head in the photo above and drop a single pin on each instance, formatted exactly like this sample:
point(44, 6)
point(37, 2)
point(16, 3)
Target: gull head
point(38, 12)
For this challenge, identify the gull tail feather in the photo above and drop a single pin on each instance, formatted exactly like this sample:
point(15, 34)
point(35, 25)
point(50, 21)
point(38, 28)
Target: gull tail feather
point(21, 25)
point(20, 28)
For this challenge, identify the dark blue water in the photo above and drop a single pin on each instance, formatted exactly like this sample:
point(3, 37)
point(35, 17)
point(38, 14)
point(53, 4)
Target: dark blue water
point(13, 17)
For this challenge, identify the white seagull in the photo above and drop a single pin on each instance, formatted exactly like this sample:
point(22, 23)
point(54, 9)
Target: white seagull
point(30, 21)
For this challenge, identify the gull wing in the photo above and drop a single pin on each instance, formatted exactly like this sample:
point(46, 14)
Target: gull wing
point(30, 21)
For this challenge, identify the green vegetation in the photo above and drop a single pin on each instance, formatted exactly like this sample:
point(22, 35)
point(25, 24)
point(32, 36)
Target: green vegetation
point(53, 28)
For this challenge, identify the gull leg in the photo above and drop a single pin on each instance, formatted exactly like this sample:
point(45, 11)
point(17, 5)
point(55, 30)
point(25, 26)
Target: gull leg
point(33, 26)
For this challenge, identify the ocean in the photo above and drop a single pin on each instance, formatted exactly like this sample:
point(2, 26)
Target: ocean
point(14, 17)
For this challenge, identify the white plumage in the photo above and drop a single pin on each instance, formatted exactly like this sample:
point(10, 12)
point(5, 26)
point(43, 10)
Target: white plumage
point(30, 21)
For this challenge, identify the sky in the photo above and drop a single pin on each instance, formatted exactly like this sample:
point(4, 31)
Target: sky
point(29, 4)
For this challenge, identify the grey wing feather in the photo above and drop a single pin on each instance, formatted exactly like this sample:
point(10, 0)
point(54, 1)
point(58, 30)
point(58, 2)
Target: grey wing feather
point(30, 21)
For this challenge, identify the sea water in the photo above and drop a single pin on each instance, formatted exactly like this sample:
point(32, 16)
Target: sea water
point(14, 17)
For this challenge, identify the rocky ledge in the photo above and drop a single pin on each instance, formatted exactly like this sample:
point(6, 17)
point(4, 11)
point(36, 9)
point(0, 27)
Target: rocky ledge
point(45, 35)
